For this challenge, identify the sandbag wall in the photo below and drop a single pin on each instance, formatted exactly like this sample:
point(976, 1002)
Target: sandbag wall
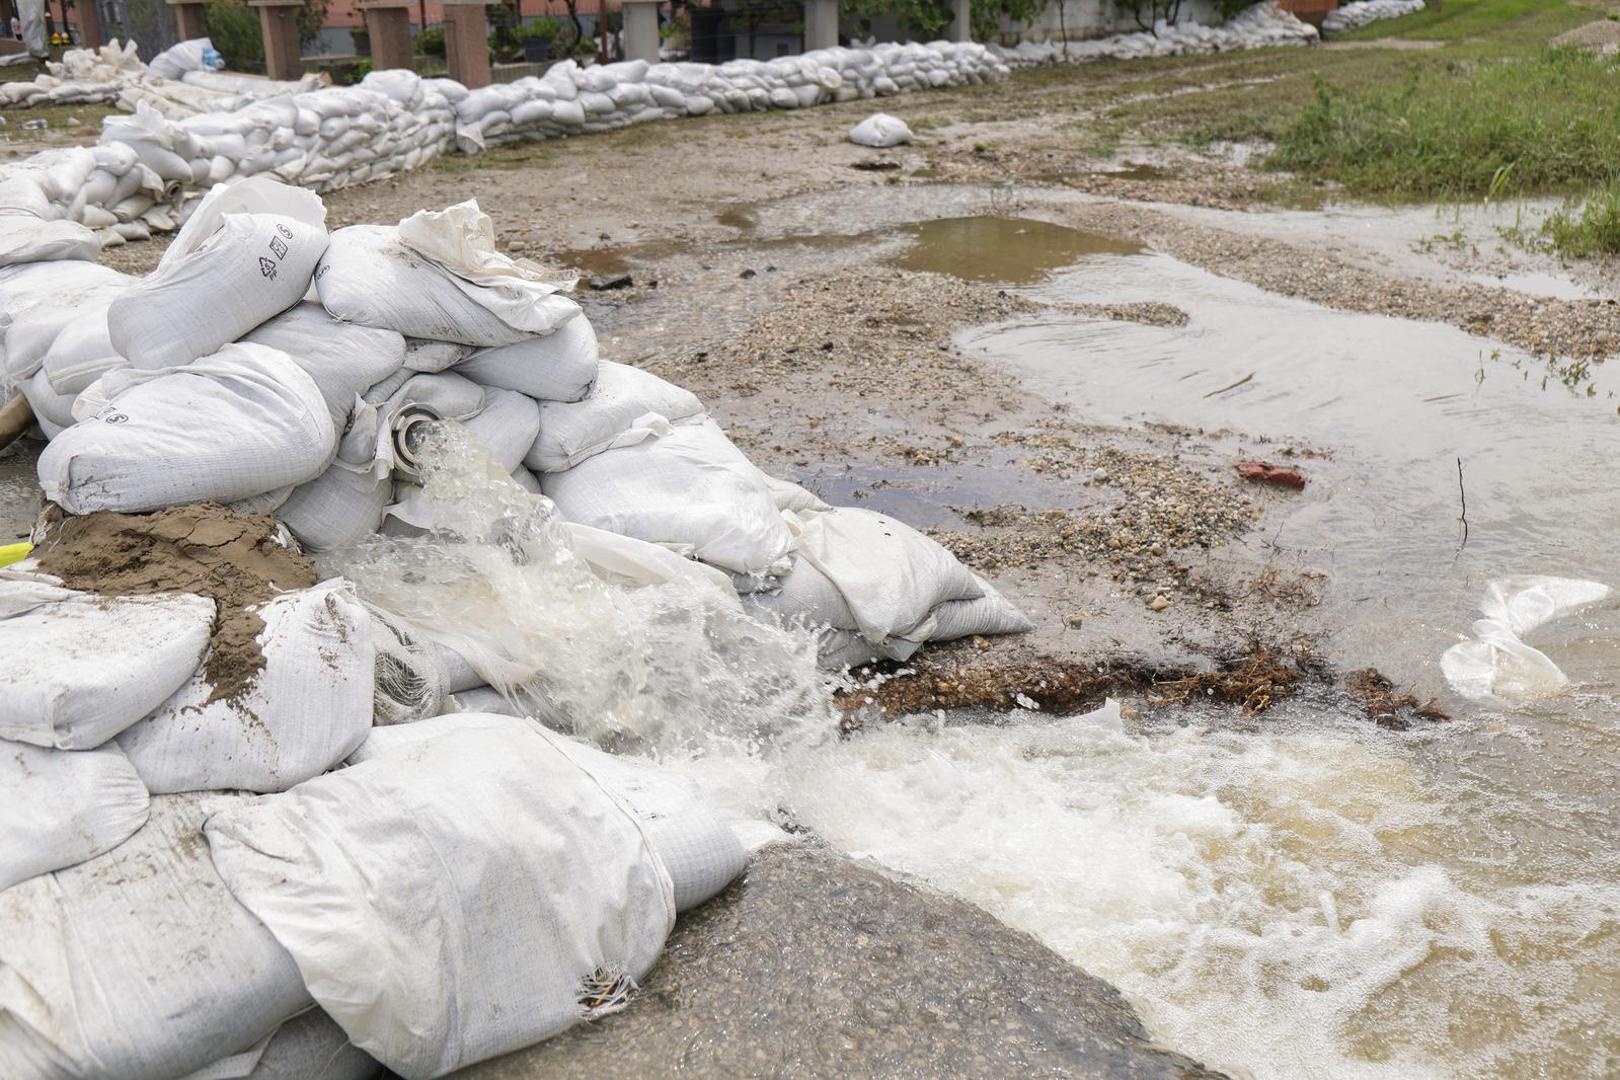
point(400, 833)
point(147, 168)
point(1258, 27)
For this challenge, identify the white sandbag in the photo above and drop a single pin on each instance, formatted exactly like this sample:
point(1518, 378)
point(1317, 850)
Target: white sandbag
point(138, 964)
point(347, 501)
point(69, 306)
point(558, 367)
point(250, 270)
point(687, 485)
point(570, 432)
point(507, 426)
point(790, 496)
point(310, 1046)
point(410, 682)
point(83, 351)
point(483, 699)
point(1498, 662)
point(526, 480)
point(880, 130)
point(889, 574)
point(60, 807)
point(478, 868)
point(26, 239)
point(241, 422)
point(175, 62)
point(53, 412)
point(252, 195)
point(625, 560)
point(989, 615)
point(305, 712)
point(369, 276)
point(434, 356)
point(342, 358)
point(77, 668)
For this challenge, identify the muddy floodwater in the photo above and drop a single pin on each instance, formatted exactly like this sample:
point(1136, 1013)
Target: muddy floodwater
point(1303, 894)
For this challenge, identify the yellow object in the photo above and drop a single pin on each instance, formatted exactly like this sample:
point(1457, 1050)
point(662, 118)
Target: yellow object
point(10, 553)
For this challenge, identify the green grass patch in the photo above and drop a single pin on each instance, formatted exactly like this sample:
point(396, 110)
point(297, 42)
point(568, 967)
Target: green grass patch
point(1545, 123)
point(1525, 21)
point(1591, 229)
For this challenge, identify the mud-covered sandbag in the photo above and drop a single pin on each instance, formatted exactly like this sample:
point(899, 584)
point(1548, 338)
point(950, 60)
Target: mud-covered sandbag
point(60, 807)
point(241, 422)
point(138, 964)
point(685, 485)
point(558, 367)
point(252, 269)
point(347, 501)
point(572, 432)
point(343, 359)
point(77, 668)
point(430, 885)
point(303, 713)
point(368, 276)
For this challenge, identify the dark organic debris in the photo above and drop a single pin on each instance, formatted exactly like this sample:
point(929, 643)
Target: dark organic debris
point(1264, 472)
point(1384, 706)
point(616, 281)
point(1256, 680)
point(942, 681)
point(880, 165)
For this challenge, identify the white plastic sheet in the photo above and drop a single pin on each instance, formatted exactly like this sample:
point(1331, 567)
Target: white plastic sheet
point(1498, 662)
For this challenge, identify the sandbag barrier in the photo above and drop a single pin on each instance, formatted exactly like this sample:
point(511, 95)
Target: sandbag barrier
point(286, 796)
point(147, 169)
point(1261, 26)
point(1353, 16)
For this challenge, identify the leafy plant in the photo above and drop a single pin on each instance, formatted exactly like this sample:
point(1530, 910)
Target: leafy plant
point(234, 29)
point(430, 42)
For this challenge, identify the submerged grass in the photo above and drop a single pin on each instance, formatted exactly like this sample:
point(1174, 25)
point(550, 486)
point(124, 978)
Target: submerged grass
point(1510, 126)
point(1591, 229)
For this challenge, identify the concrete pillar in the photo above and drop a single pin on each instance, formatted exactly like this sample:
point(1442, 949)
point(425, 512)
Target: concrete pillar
point(189, 15)
point(389, 26)
point(820, 24)
point(466, 42)
point(89, 24)
point(641, 30)
point(278, 22)
point(961, 28)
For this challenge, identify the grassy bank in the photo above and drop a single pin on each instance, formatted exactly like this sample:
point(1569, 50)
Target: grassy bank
point(1500, 21)
point(1515, 125)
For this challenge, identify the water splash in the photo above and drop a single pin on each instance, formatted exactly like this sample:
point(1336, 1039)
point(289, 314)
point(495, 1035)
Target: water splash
point(665, 669)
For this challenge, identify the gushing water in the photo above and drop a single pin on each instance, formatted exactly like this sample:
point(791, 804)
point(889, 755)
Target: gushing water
point(672, 666)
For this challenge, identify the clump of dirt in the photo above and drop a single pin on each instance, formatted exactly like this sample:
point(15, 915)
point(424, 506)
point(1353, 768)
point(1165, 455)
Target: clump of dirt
point(1259, 678)
point(1384, 706)
point(201, 548)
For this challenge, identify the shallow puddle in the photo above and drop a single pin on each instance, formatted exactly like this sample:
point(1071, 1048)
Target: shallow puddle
point(1001, 250)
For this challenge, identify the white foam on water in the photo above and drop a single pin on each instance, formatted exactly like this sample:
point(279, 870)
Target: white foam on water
point(1290, 901)
point(659, 669)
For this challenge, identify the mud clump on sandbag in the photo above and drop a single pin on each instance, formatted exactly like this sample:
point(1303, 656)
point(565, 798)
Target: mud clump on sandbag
point(204, 548)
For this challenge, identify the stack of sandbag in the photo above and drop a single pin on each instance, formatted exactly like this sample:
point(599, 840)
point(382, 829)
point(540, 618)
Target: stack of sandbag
point(1260, 26)
point(569, 99)
point(83, 75)
point(1361, 12)
point(482, 339)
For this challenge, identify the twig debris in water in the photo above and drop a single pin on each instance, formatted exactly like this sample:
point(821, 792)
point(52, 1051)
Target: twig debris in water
point(1234, 386)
